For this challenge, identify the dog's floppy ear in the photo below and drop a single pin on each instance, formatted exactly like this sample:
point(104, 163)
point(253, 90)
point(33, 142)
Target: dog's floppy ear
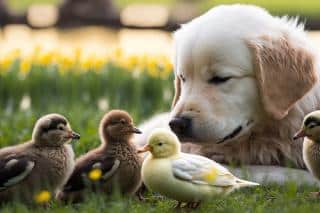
point(177, 86)
point(284, 72)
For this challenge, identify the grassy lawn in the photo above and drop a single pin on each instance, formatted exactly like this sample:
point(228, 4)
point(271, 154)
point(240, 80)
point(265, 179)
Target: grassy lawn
point(308, 8)
point(20, 5)
point(285, 199)
point(83, 90)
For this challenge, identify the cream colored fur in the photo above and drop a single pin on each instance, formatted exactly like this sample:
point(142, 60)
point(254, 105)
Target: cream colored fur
point(274, 84)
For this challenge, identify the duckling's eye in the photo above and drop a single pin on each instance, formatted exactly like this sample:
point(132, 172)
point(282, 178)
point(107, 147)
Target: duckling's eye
point(218, 80)
point(160, 144)
point(60, 128)
point(122, 121)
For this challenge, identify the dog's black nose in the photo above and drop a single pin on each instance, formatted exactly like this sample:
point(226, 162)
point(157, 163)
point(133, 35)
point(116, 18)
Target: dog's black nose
point(180, 125)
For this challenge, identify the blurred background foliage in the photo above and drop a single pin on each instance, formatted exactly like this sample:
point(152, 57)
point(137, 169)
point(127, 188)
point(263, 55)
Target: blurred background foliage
point(81, 88)
point(309, 8)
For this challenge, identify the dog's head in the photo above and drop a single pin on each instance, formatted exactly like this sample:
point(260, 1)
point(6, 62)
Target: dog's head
point(235, 66)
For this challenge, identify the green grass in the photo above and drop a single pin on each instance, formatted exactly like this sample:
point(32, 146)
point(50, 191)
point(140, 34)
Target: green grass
point(21, 5)
point(308, 8)
point(285, 199)
point(77, 95)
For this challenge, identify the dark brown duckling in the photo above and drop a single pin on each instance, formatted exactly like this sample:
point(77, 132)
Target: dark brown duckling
point(115, 164)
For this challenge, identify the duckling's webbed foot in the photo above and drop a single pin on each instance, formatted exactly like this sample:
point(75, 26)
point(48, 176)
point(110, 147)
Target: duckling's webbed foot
point(141, 191)
point(179, 205)
point(193, 205)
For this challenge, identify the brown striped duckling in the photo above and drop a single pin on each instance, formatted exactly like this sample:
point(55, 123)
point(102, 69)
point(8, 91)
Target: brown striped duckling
point(42, 164)
point(114, 164)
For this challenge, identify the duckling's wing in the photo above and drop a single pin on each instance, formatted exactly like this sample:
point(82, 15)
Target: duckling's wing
point(201, 170)
point(79, 177)
point(14, 169)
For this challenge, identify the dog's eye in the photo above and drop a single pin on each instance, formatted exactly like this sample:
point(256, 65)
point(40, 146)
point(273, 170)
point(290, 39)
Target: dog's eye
point(312, 126)
point(183, 79)
point(218, 80)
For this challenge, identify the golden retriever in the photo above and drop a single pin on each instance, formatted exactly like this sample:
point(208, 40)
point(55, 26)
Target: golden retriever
point(244, 80)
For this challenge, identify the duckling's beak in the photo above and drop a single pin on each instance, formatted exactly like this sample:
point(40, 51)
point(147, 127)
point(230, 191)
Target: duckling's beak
point(135, 130)
point(299, 134)
point(75, 136)
point(145, 148)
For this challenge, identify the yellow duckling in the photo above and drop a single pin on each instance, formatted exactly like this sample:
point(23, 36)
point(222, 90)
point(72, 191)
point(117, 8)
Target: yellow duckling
point(310, 130)
point(184, 177)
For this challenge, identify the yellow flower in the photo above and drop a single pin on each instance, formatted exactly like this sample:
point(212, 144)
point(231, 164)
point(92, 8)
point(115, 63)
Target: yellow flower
point(65, 63)
point(157, 66)
point(118, 53)
point(152, 67)
point(95, 174)
point(167, 66)
point(15, 53)
point(6, 63)
point(45, 59)
point(98, 64)
point(86, 63)
point(77, 53)
point(25, 66)
point(42, 197)
point(165, 74)
point(132, 62)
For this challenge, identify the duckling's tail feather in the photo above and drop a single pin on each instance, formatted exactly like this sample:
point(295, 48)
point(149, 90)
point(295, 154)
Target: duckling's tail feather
point(244, 183)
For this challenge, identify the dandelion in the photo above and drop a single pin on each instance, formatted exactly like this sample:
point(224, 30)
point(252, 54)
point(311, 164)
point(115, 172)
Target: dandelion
point(42, 197)
point(95, 174)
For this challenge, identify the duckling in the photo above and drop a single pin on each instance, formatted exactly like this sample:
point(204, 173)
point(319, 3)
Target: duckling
point(114, 165)
point(310, 130)
point(184, 177)
point(43, 163)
